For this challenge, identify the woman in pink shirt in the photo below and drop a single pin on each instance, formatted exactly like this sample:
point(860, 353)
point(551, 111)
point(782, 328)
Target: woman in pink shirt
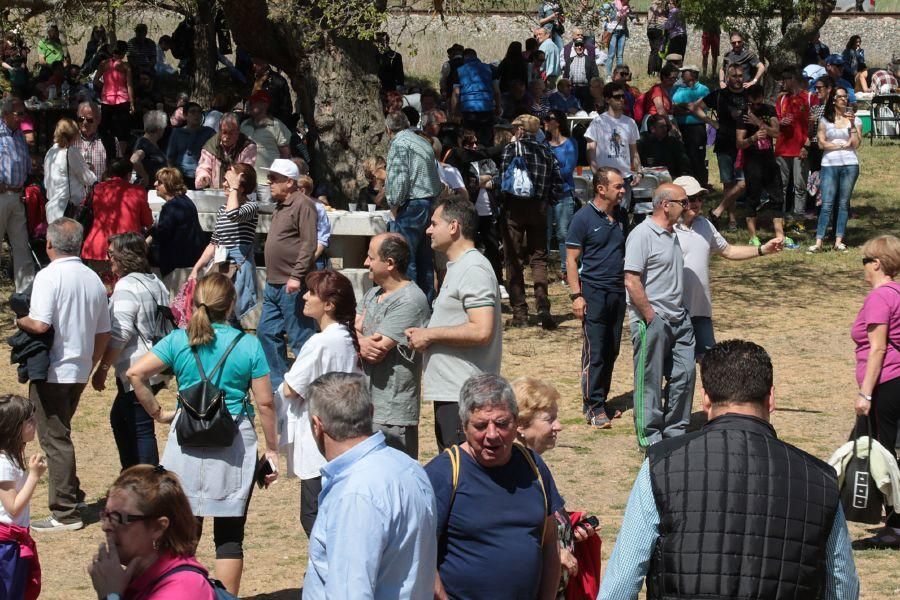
point(876, 332)
point(150, 531)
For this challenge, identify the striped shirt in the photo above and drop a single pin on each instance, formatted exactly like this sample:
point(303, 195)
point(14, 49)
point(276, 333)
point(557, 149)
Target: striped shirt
point(94, 154)
point(15, 162)
point(236, 227)
point(630, 560)
point(133, 319)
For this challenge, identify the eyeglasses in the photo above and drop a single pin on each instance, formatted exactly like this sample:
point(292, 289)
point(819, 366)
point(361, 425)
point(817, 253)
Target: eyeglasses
point(85, 120)
point(737, 42)
point(683, 203)
point(844, 96)
point(624, 73)
point(868, 259)
point(117, 518)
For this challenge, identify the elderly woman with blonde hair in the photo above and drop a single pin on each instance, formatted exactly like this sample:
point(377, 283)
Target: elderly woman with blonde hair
point(67, 176)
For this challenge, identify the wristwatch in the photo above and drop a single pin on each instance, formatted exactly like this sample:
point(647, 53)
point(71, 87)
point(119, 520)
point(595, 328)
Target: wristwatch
point(863, 396)
point(575, 296)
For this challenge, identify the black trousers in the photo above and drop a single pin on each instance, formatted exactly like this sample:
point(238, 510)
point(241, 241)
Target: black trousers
point(655, 37)
point(309, 502)
point(694, 136)
point(886, 404)
point(602, 328)
point(447, 426)
point(489, 240)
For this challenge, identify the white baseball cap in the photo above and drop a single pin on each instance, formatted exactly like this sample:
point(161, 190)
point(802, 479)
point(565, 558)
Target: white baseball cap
point(690, 185)
point(285, 167)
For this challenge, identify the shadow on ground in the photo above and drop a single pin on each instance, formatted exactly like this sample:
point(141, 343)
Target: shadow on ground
point(291, 593)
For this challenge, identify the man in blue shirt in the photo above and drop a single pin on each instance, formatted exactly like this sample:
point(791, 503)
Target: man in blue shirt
point(693, 130)
point(563, 99)
point(731, 511)
point(374, 536)
point(834, 66)
point(15, 166)
point(185, 143)
point(597, 237)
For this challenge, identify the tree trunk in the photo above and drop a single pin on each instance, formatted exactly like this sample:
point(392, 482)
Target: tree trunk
point(205, 58)
point(337, 91)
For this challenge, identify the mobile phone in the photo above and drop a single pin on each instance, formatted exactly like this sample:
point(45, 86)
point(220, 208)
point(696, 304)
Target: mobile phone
point(591, 520)
point(264, 467)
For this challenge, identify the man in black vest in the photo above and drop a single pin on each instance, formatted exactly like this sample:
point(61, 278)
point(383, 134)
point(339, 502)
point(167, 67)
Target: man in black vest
point(731, 511)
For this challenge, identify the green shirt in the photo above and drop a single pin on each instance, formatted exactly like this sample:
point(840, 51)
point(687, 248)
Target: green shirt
point(245, 363)
point(51, 51)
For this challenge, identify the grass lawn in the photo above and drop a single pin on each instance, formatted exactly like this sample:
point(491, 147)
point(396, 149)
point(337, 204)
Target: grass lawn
point(799, 307)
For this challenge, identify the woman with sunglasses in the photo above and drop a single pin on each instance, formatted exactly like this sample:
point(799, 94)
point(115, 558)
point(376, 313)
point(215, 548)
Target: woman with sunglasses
point(150, 540)
point(839, 136)
point(564, 148)
point(876, 332)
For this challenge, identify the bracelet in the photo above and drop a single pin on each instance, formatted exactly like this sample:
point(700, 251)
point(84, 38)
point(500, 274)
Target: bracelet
point(759, 250)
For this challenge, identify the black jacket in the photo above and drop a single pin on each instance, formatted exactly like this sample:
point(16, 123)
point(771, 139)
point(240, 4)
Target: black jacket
point(32, 352)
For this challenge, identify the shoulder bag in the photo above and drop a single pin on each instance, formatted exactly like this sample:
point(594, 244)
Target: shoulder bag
point(204, 421)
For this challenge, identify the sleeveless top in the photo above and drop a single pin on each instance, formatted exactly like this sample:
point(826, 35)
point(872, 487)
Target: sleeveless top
point(115, 83)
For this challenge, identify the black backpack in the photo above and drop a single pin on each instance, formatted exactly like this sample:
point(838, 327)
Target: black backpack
point(204, 421)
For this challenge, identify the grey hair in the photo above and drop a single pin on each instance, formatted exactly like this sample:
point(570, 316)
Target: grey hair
point(66, 236)
point(396, 121)
point(430, 117)
point(343, 404)
point(483, 391)
point(8, 104)
point(229, 117)
point(154, 121)
point(662, 195)
point(95, 108)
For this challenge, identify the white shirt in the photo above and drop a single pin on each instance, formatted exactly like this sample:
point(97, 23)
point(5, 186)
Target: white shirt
point(613, 138)
point(10, 472)
point(65, 183)
point(697, 243)
point(483, 201)
point(328, 351)
point(70, 297)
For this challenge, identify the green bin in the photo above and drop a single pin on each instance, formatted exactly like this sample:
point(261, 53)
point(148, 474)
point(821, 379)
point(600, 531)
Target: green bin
point(866, 117)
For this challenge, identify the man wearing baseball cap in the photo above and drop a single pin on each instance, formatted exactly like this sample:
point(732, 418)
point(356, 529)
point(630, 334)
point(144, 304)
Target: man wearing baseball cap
point(698, 239)
point(834, 66)
point(290, 255)
point(271, 136)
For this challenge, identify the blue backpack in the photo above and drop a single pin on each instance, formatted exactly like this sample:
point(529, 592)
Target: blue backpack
point(516, 180)
point(219, 591)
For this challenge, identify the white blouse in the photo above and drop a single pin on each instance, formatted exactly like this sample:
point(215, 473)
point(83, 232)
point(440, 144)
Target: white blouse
point(328, 351)
point(66, 179)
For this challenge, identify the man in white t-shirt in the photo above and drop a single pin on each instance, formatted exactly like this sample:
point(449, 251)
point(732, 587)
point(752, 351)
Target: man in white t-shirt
point(463, 337)
point(698, 239)
point(70, 299)
point(612, 139)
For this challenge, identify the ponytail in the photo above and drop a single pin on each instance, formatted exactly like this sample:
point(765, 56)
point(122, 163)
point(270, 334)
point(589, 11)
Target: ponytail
point(214, 298)
point(200, 330)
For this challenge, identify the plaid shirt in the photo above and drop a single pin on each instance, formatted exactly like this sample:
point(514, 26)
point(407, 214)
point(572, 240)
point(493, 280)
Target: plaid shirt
point(880, 78)
point(412, 171)
point(541, 165)
point(94, 154)
point(15, 162)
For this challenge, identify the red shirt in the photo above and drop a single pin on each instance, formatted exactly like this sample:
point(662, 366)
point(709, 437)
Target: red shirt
point(791, 138)
point(119, 207)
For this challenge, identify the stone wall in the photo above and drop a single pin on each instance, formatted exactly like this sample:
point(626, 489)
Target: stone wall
point(423, 40)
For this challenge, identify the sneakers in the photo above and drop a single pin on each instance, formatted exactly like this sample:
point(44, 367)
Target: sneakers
point(815, 250)
point(546, 320)
point(797, 228)
point(790, 244)
point(599, 421)
point(504, 295)
point(732, 226)
point(50, 525)
point(754, 241)
point(840, 247)
point(517, 323)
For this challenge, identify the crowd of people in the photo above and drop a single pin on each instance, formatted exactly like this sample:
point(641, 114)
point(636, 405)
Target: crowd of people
point(480, 181)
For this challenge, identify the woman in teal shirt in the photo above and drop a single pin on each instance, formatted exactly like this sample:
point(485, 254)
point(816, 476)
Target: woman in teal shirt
point(217, 481)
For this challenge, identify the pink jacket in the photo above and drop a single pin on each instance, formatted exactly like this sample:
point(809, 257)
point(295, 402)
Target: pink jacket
point(185, 585)
point(210, 166)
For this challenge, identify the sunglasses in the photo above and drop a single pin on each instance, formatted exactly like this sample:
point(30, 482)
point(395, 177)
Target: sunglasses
point(844, 96)
point(737, 43)
point(868, 259)
point(683, 203)
point(85, 120)
point(618, 96)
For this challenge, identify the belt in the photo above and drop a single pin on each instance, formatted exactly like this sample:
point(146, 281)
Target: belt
point(5, 189)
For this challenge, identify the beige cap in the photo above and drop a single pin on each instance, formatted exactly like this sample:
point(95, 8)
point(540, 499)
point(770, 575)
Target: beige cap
point(674, 57)
point(690, 68)
point(690, 185)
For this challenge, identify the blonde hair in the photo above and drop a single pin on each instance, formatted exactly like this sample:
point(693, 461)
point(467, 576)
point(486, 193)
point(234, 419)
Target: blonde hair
point(213, 298)
point(533, 396)
point(305, 183)
point(886, 248)
point(529, 123)
point(372, 164)
point(65, 133)
point(172, 180)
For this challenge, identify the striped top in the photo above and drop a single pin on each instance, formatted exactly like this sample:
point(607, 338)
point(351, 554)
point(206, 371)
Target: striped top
point(15, 162)
point(236, 227)
point(133, 319)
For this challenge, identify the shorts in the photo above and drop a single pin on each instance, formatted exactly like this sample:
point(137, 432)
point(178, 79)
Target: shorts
point(704, 338)
point(727, 172)
point(710, 43)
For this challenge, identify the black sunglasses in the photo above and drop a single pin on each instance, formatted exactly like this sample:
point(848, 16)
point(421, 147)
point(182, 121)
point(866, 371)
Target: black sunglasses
point(868, 259)
point(85, 120)
point(618, 96)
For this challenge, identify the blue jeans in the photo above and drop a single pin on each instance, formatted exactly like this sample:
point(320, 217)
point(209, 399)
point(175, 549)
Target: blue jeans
point(411, 222)
point(616, 52)
point(244, 279)
point(560, 214)
point(282, 314)
point(133, 429)
point(704, 336)
point(836, 185)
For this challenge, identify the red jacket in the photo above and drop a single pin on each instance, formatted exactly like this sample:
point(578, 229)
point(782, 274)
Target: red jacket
point(119, 207)
point(27, 551)
point(586, 584)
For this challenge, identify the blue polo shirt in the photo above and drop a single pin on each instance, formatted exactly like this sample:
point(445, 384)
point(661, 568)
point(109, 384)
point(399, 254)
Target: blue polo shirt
point(683, 94)
point(602, 245)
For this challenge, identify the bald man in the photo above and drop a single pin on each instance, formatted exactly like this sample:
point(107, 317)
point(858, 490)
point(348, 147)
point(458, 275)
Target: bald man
point(661, 331)
point(392, 306)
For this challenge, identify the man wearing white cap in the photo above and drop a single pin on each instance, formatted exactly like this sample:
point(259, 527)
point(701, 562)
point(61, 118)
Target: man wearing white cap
point(290, 255)
point(698, 239)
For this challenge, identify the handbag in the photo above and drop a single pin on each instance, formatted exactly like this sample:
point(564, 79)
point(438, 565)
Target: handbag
point(205, 421)
point(860, 496)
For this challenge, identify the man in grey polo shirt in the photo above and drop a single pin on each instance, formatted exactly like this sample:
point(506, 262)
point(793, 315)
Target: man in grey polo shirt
point(661, 331)
point(387, 310)
point(463, 337)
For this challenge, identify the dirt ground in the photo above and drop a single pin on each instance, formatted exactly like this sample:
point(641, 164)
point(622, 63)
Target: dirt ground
point(799, 307)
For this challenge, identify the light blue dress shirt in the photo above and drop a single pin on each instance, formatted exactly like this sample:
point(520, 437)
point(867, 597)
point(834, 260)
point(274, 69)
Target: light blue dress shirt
point(630, 560)
point(375, 534)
